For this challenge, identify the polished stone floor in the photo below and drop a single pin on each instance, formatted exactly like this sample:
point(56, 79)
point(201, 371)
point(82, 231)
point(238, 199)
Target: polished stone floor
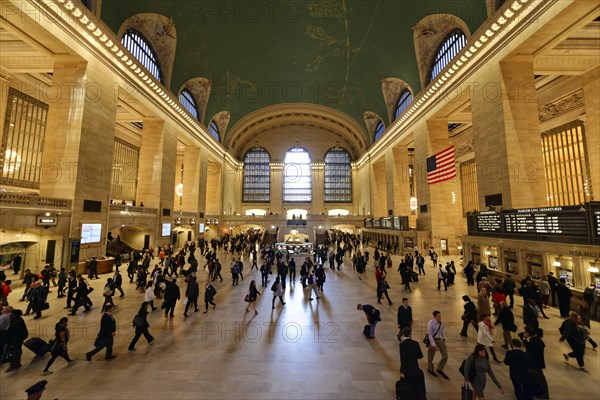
point(305, 350)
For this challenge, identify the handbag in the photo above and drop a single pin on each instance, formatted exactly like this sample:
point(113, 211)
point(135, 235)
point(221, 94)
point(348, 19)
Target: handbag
point(465, 392)
point(426, 340)
point(44, 306)
point(247, 297)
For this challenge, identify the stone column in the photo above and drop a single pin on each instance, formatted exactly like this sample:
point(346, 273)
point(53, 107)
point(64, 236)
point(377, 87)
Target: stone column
point(317, 172)
point(400, 161)
point(506, 136)
point(276, 206)
point(79, 142)
point(379, 199)
point(158, 155)
point(591, 95)
point(192, 179)
point(214, 180)
point(443, 217)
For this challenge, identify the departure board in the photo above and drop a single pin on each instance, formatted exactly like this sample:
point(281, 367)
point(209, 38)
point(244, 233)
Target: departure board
point(596, 221)
point(562, 221)
point(489, 221)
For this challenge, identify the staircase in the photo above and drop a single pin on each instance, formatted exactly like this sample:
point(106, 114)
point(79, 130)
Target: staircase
point(115, 247)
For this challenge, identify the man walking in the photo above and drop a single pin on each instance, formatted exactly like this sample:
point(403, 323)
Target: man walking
point(172, 294)
point(437, 342)
point(118, 282)
point(421, 264)
point(405, 318)
point(93, 269)
point(108, 329)
point(441, 277)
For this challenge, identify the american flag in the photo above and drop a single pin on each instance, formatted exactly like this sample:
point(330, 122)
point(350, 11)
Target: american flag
point(441, 167)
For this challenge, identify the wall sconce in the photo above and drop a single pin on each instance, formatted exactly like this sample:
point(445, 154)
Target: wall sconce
point(557, 263)
point(593, 268)
point(488, 253)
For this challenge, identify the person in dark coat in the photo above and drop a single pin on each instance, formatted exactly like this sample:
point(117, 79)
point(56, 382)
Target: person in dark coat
point(71, 289)
point(507, 319)
point(470, 272)
point(572, 331)
point(81, 298)
point(469, 316)
point(405, 318)
point(209, 296)
point(534, 346)
point(519, 366)
point(93, 264)
point(373, 317)
point(16, 264)
point(141, 325)
point(410, 353)
point(28, 279)
point(15, 336)
point(530, 317)
point(192, 293)
point(553, 282)
point(564, 298)
point(105, 338)
point(172, 294)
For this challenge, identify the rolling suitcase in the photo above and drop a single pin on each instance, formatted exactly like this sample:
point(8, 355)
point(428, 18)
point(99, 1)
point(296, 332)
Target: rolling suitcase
point(38, 346)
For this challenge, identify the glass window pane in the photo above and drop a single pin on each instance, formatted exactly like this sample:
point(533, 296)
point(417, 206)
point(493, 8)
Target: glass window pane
point(338, 176)
point(257, 176)
point(138, 47)
point(297, 185)
point(450, 47)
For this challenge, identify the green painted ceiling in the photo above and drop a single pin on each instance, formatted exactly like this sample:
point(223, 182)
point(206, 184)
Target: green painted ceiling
point(330, 52)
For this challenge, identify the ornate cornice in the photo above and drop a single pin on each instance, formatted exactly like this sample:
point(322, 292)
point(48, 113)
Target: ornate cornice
point(464, 149)
point(561, 106)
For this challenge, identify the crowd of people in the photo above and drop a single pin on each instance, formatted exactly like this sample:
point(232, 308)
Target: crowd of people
point(524, 350)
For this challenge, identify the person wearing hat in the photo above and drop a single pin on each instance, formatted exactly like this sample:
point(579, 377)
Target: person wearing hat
point(35, 392)
point(108, 329)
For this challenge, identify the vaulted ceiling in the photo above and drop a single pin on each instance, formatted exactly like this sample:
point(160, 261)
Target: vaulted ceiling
point(328, 52)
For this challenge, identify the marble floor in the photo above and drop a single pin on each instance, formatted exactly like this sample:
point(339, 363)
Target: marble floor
point(305, 350)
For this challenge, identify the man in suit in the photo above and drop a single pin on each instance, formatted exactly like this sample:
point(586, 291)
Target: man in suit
point(530, 317)
point(81, 298)
point(534, 346)
point(118, 282)
point(93, 269)
point(108, 329)
point(410, 352)
point(519, 364)
point(405, 318)
point(172, 294)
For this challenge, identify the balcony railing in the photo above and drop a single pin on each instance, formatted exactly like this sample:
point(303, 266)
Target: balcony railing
point(127, 210)
point(33, 201)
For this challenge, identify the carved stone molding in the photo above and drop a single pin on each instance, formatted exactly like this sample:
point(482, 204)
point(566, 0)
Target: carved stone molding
point(391, 88)
point(561, 106)
point(222, 121)
point(429, 34)
point(160, 32)
point(337, 126)
point(200, 89)
point(464, 149)
point(371, 119)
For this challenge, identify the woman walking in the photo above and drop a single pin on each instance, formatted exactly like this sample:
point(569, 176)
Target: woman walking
point(485, 335)
point(149, 296)
point(140, 323)
point(59, 346)
point(251, 296)
point(277, 292)
point(480, 362)
point(507, 319)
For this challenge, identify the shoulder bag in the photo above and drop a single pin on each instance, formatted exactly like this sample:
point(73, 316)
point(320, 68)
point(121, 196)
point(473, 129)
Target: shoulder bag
point(426, 340)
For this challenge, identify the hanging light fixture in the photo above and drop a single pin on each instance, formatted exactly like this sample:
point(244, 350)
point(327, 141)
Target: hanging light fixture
point(557, 263)
point(593, 268)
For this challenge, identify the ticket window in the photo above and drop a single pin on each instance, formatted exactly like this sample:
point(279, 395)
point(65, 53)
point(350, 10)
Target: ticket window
point(534, 265)
point(476, 254)
point(567, 275)
point(510, 262)
point(492, 258)
point(596, 280)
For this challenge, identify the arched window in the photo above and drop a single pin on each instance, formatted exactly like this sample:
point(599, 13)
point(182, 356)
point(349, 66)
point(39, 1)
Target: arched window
point(187, 100)
point(297, 185)
point(403, 102)
point(450, 47)
point(139, 47)
point(379, 129)
point(338, 176)
point(214, 130)
point(257, 176)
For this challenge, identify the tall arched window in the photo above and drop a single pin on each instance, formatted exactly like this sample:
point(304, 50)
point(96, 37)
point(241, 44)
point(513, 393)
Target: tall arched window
point(403, 102)
point(379, 129)
point(297, 185)
point(257, 176)
point(187, 100)
point(450, 47)
point(338, 176)
point(214, 130)
point(139, 47)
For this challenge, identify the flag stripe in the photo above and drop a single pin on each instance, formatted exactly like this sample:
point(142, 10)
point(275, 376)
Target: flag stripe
point(442, 168)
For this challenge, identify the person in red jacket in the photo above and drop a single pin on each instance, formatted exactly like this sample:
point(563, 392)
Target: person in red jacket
point(5, 291)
